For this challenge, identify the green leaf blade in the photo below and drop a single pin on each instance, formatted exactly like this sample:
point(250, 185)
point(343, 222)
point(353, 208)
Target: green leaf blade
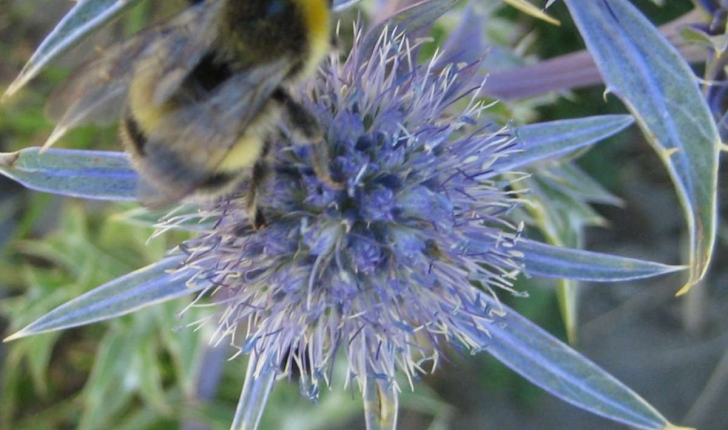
point(99, 175)
point(153, 284)
point(641, 67)
point(339, 6)
point(409, 19)
point(552, 261)
point(558, 138)
point(85, 17)
point(550, 364)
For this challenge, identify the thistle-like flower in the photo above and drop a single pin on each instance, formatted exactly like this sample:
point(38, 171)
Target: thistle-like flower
point(384, 270)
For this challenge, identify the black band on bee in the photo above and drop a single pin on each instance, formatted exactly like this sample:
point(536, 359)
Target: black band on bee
point(219, 180)
point(261, 172)
point(135, 134)
point(303, 124)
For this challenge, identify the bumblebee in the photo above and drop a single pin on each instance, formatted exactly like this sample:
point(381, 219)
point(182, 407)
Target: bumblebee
point(200, 96)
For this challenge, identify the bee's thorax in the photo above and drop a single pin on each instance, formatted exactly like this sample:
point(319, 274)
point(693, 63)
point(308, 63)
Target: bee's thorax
point(260, 31)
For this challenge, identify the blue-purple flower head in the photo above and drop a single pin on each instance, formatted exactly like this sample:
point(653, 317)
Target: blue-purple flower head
point(387, 270)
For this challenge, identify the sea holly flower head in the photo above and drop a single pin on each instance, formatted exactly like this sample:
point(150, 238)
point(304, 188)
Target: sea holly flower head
point(385, 269)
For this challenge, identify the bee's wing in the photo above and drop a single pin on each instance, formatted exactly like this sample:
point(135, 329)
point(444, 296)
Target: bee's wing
point(186, 150)
point(96, 93)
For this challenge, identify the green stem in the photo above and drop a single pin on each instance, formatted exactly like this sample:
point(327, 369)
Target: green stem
point(381, 402)
point(576, 70)
point(256, 389)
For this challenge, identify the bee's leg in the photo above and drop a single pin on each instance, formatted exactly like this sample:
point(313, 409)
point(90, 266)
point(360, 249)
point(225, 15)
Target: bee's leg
point(305, 127)
point(258, 178)
point(320, 159)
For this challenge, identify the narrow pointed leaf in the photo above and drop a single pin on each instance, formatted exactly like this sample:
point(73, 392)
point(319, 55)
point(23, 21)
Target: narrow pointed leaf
point(259, 381)
point(185, 218)
point(151, 376)
point(140, 217)
point(409, 19)
point(79, 22)
point(547, 362)
point(342, 5)
point(557, 138)
point(103, 396)
point(561, 218)
point(145, 287)
point(567, 294)
point(551, 261)
point(641, 67)
point(101, 175)
point(532, 10)
point(466, 43)
point(570, 179)
point(381, 404)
